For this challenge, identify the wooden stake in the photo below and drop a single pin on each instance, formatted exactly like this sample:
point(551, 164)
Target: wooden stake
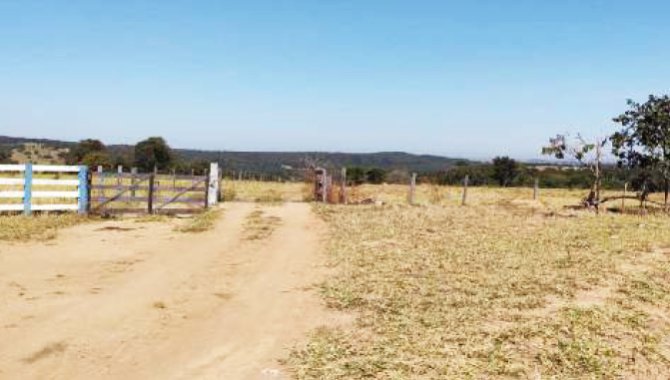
point(412, 189)
point(466, 180)
point(133, 172)
point(344, 186)
point(536, 188)
point(150, 200)
point(623, 200)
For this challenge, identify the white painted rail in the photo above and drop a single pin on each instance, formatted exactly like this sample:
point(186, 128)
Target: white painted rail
point(19, 179)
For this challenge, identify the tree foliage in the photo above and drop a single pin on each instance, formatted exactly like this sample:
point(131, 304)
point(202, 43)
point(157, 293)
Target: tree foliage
point(152, 153)
point(89, 152)
point(505, 170)
point(644, 138)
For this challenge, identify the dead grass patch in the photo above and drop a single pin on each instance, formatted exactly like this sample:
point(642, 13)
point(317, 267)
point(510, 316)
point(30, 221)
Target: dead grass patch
point(200, 222)
point(259, 226)
point(492, 290)
point(37, 227)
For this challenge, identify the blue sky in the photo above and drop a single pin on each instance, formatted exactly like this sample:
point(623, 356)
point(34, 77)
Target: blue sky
point(459, 78)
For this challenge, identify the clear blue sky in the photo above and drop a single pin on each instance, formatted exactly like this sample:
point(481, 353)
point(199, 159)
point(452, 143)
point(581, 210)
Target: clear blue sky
point(460, 78)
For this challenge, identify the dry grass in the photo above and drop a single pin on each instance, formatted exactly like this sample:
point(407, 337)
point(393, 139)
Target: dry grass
point(504, 288)
point(257, 191)
point(259, 226)
point(38, 227)
point(200, 222)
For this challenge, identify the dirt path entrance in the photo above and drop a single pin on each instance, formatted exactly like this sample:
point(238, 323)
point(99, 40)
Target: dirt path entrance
point(137, 300)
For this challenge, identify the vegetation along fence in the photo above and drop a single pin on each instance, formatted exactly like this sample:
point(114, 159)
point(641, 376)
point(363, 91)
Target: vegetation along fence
point(29, 188)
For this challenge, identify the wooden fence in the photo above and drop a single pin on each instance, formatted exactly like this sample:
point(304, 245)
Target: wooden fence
point(29, 188)
point(153, 193)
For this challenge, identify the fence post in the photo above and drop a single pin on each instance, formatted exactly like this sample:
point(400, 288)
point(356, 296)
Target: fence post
point(83, 189)
point(27, 189)
point(536, 188)
point(133, 173)
point(150, 198)
point(101, 183)
point(344, 186)
point(623, 200)
point(466, 180)
point(412, 189)
point(213, 184)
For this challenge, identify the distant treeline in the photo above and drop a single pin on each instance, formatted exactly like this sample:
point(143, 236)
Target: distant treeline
point(613, 177)
point(506, 172)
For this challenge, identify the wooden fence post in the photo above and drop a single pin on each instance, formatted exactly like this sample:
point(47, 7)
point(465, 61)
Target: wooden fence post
point(344, 186)
point(82, 202)
point(536, 188)
point(27, 188)
point(326, 188)
point(466, 180)
point(150, 199)
point(623, 200)
point(101, 182)
point(133, 173)
point(412, 189)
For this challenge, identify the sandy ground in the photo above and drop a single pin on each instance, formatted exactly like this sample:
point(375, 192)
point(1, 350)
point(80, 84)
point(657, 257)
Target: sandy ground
point(131, 300)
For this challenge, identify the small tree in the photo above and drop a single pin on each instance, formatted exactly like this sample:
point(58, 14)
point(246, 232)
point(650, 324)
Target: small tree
point(644, 138)
point(94, 149)
point(376, 176)
point(152, 153)
point(94, 159)
point(587, 154)
point(505, 170)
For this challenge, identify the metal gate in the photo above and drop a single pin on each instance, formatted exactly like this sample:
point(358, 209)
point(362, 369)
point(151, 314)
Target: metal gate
point(114, 193)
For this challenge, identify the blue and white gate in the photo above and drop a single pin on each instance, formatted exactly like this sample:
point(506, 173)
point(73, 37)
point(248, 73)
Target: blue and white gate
point(31, 188)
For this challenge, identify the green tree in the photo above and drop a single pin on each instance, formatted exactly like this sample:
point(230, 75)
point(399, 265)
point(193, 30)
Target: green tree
point(88, 147)
point(153, 152)
point(356, 175)
point(644, 138)
point(375, 175)
point(94, 159)
point(505, 170)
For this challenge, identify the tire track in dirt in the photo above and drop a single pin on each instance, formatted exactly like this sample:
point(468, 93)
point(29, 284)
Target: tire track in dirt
point(151, 303)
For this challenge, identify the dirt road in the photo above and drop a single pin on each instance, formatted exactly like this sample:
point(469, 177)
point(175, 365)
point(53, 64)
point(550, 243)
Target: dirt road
point(131, 300)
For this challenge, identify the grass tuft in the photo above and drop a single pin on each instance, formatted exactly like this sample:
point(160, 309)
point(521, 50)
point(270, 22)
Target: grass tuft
point(200, 222)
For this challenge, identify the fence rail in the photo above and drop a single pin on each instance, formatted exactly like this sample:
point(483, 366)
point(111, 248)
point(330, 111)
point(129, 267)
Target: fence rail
point(23, 177)
point(31, 188)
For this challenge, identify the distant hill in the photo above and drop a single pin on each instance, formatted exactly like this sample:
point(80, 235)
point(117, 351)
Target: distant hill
point(271, 163)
